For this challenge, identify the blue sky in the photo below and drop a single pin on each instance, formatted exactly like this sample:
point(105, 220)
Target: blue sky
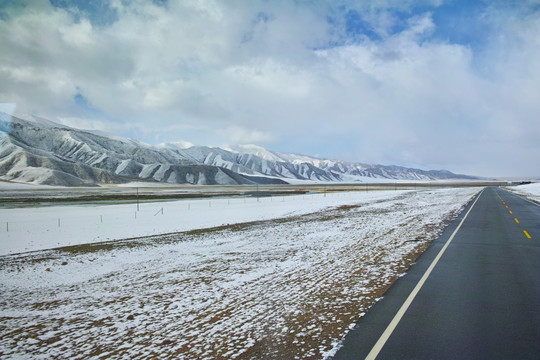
point(432, 84)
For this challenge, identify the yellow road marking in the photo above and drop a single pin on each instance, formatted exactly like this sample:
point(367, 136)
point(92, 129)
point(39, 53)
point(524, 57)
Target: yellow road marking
point(510, 211)
point(516, 220)
point(527, 234)
point(507, 206)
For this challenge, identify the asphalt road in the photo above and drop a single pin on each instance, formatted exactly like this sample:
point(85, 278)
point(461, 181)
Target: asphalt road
point(479, 299)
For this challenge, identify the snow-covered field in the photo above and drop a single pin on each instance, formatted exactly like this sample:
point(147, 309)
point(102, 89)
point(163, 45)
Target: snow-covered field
point(288, 284)
point(39, 228)
point(531, 191)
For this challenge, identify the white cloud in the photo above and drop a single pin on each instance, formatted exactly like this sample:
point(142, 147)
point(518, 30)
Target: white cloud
point(78, 35)
point(7, 108)
point(89, 124)
point(242, 135)
point(280, 72)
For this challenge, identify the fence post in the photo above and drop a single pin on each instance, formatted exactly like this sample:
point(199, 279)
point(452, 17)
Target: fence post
point(58, 222)
point(7, 226)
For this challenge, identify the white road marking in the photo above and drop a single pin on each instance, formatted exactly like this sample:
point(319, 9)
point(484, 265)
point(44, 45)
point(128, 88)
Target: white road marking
point(397, 318)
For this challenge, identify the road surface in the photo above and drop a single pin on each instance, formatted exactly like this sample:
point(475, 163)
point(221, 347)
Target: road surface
point(474, 294)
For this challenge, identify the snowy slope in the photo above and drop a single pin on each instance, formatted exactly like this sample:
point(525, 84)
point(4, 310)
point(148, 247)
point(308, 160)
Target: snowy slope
point(38, 151)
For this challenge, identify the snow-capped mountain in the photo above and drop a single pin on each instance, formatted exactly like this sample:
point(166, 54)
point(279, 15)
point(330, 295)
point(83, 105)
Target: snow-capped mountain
point(39, 151)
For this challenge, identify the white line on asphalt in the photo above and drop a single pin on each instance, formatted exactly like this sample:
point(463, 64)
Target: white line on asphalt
point(393, 324)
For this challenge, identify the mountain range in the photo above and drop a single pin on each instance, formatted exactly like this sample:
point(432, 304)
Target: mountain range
point(35, 150)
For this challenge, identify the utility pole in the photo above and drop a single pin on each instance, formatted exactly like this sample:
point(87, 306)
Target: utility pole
point(137, 199)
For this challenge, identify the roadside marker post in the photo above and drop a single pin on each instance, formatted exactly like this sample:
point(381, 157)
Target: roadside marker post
point(137, 199)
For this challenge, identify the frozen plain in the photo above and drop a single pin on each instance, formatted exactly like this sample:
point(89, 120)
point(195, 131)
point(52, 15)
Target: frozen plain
point(529, 191)
point(39, 228)
point(288, 284)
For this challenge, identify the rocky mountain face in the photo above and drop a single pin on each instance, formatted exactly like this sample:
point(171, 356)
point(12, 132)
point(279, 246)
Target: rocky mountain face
point(35, 150)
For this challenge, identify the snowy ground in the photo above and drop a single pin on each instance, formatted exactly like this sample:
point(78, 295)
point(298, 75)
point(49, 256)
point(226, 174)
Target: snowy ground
point(39, 228)
point(531, 191)
point(288, 285)
point(9, 185)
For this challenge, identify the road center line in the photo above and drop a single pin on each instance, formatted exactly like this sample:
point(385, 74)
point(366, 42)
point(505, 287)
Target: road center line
point(516, 220)
point(526, 234)
point(397, 318)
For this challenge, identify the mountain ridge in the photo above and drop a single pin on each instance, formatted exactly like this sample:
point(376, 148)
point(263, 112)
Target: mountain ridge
point(39, 151)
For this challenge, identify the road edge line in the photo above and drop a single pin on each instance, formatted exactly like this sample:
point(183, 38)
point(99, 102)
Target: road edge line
point(397, 318)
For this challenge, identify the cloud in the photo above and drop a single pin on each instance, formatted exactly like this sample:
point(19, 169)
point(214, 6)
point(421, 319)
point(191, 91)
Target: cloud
point(7, 108)
point(241, 135)
point(364, 81)
point(91, 124)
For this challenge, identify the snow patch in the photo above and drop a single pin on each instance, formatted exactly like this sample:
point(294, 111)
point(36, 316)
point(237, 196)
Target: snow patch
point(531, 191)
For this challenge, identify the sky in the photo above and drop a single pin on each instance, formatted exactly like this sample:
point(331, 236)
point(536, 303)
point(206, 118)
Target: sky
point(430, 84)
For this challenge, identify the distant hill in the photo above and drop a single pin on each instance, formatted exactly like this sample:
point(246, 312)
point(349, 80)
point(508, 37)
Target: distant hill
point(38, 151)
